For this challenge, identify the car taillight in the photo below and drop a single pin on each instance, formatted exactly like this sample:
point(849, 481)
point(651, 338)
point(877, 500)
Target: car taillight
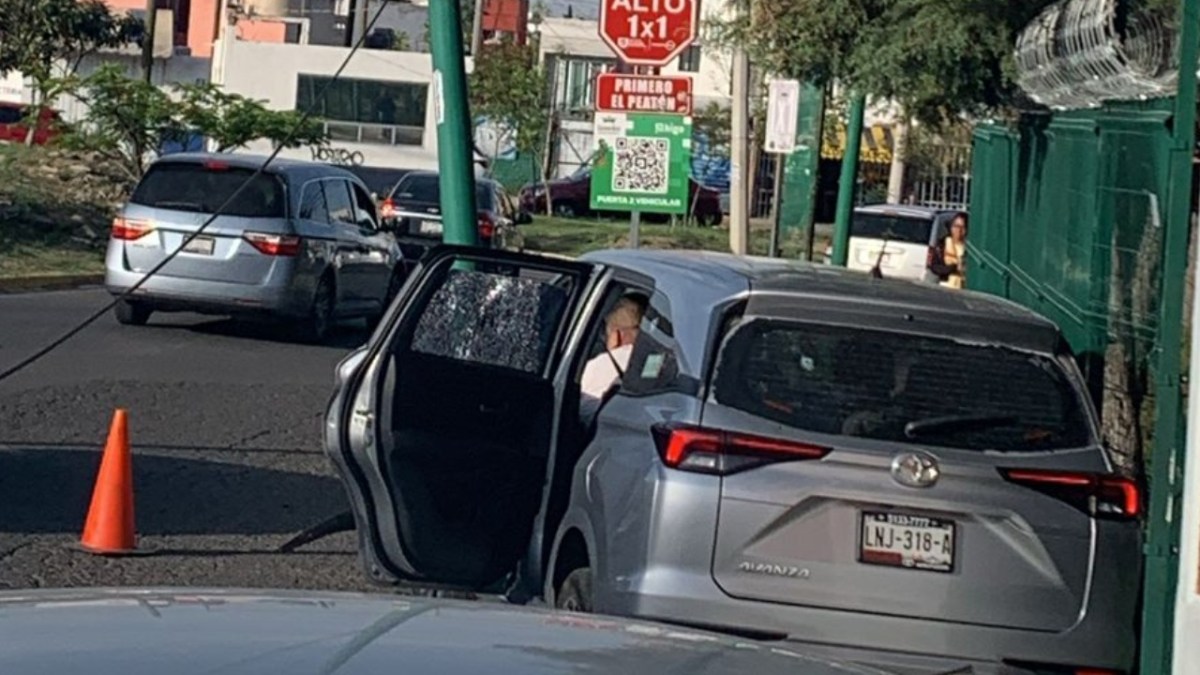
point(714, 451)
point(1111, 497)
point(129, 230)
point(387, 209)
point(273, 244)
point(487, 226)
point(930, 257)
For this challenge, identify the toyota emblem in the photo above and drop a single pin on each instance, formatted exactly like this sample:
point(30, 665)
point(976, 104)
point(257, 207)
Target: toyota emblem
point(915, 469)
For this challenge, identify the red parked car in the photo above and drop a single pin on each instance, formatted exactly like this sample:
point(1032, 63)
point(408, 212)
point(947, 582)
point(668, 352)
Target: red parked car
point(570, 198)
point(14, 127)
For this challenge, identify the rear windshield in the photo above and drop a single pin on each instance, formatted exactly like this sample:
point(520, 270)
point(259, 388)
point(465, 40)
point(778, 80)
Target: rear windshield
point(901, 388)
point(426, 190)
point(891, 228)
point(195, 187)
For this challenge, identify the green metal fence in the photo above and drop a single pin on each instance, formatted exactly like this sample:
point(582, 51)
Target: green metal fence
point(1076, 215)
point(1067, 219)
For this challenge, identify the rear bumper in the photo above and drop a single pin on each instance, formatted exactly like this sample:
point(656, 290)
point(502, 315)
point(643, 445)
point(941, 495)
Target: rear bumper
point(278, 296)
point(879, 641)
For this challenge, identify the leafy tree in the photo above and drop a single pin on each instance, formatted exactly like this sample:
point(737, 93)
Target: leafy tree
point(47, 39)
point(508, 87)
point(129, 120)
point(713, 122)
point(937, 58)
point(232, 121)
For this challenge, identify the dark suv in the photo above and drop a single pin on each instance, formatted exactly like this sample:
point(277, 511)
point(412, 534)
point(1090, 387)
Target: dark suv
point(413, 212)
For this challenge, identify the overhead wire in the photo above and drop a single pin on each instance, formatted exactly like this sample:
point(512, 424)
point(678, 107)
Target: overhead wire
point(49, 347)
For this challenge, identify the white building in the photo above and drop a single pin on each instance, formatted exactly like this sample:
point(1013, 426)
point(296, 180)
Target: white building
point(379, 113)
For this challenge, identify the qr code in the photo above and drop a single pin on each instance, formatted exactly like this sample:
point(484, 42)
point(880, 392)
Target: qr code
point(641, 164)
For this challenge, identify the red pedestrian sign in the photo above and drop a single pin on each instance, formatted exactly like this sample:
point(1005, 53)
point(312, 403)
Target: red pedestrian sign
point(616, 92)
point(648, 32)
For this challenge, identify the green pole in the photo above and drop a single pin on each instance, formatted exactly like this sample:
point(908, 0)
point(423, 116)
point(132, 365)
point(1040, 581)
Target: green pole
point(1166, 470)
point(845, 203)
point(455, 140)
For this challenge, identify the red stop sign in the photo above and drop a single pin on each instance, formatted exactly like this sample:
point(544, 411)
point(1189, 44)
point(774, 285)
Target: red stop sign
point(648, 32)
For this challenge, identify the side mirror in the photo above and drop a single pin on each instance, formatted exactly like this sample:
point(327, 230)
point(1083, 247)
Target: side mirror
point(523, 217)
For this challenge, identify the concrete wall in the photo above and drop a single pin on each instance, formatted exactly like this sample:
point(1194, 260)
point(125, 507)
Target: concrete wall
point(268, 72)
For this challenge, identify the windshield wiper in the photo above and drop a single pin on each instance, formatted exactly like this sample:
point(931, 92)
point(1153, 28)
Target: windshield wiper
point(952, 423)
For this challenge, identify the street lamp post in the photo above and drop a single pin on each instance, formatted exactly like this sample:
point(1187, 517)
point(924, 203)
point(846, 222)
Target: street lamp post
point(452, 116)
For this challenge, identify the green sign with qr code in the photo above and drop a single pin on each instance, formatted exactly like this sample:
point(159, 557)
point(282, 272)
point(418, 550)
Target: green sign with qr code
point(642, 163)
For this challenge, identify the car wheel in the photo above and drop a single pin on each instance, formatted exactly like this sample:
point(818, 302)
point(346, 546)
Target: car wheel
point(575, 594)
point(317, 326)
point(131, 313)
point(708, 219)
point(565, 210)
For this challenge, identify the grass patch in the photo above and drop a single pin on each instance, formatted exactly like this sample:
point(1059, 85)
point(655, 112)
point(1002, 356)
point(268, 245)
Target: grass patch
point(53, 213)
point(28, 261)
point(576, 236)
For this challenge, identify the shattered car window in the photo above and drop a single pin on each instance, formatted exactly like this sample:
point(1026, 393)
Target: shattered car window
point(493, 319)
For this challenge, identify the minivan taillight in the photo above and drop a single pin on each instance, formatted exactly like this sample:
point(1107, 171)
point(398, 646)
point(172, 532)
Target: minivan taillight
point(129, 230)
point(1102, 496)
point(273, 244)
point(487, 226)
point(719, 452)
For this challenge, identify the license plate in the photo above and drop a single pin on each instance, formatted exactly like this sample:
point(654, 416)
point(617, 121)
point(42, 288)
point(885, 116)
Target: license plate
point(200, 246)
point(902, 540)
point(430, 227)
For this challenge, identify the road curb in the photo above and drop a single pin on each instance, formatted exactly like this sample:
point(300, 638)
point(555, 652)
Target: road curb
point(49, 282)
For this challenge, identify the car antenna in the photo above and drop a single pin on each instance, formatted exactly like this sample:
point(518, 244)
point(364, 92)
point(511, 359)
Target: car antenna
point(877, 270)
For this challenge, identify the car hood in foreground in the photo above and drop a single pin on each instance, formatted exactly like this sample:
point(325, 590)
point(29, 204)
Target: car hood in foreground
point(188, 632)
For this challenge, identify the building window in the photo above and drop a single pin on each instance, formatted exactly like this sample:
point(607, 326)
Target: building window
point(366, 111)
point(689, 60)
point(574, 83)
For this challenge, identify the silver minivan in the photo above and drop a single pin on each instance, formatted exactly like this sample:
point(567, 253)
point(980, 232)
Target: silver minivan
point(300, 242)
point(876, 470)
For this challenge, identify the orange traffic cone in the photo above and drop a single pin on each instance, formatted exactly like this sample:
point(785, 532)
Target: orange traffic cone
point(109, 529)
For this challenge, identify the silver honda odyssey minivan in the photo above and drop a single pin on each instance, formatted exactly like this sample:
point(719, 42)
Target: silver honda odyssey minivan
point(298, 241)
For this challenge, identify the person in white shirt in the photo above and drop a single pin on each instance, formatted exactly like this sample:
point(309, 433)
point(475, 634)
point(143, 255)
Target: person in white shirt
point(605, 369)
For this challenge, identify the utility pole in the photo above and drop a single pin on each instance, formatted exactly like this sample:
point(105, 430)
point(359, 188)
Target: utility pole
point(777, 205)
point(739, 211)
point(148, 41)
point(846, 185)
point(895, 190)
point(477, 29)
point(451, 114)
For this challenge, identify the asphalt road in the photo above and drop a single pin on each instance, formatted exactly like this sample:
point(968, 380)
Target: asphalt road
point(224, 421)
